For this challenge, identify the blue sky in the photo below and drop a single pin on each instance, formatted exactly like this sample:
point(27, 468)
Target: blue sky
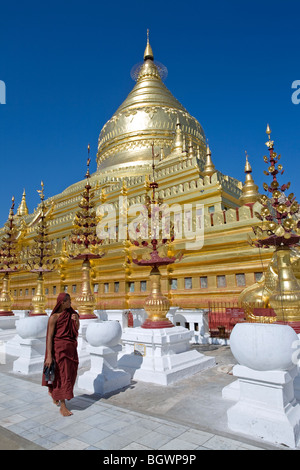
point(66, 66)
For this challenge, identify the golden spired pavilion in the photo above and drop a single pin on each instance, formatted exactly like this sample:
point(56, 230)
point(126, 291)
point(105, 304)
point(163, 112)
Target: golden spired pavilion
point(220, 270)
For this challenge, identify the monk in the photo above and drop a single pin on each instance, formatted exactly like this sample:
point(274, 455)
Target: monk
point(61, 346)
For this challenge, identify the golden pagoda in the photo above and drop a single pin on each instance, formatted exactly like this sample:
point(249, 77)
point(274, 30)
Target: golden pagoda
point(23, 209)
point(219, 270)
point(209, 168)
point(250, 192)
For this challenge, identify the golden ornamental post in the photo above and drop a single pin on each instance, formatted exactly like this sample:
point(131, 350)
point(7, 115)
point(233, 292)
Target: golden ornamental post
point(84, 245)
point(6, 300)
point(39, 299)
point(156, 304)
point(86, 301)
point(9, 262)
point(40, 258)
point(280, 229)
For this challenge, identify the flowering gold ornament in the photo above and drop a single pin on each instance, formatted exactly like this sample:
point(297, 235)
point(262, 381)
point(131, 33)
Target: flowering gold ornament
point(279, 231)
point(264, 199)
point(289, 224)
point(265, 212)
point(271, 226)
point(276, 194)
point(294, 207)
point(281, 208)
point(283, 233)
point(274, 184)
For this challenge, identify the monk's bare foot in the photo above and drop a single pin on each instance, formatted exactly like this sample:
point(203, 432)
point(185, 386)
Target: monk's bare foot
point(56, 402)
point(64, 410)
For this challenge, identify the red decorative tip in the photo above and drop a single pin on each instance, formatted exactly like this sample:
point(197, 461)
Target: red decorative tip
point(158, 324)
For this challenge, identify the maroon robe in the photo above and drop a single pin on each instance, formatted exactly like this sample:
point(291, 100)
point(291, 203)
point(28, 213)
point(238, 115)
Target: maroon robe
point(64, 353)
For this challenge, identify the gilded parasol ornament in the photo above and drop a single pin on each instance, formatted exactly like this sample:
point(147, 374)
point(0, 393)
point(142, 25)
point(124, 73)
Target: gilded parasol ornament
point(154, 252)
point(280, 229)
point(85, 245)
point(9, 261)
point(41, 257)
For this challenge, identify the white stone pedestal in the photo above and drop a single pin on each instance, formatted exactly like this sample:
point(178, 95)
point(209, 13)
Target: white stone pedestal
point(162, 356)
point(197, 319)
point(10, 338)
point(32, 356)
point(171, 314)
point(266, 406)
point(231, 391)
point(113, 315)
point(104, 375)
point(83, 354)
point(12, 343)
point(32, 332)
point(8, 322)
point(297, 386)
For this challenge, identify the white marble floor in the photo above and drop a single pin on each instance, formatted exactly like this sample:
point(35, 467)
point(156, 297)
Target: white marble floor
point(27, 410)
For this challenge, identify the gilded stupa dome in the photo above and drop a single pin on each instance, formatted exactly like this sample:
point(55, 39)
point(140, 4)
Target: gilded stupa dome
point(149, 114)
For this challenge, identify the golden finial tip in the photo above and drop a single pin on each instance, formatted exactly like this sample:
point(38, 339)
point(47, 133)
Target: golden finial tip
point(248, 168)
point(208, 151)
point(270, 142)
point(148, 54)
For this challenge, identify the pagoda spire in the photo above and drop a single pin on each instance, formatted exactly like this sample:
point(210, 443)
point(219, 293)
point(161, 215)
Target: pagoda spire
point(191, 148)
point(178, 140)
point(148, 54)
point(209, 168)
point(250, 190)
point(22, 209)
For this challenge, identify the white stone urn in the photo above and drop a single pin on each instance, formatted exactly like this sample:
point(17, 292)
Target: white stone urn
point(32, 327)
point(104, 376)
point(32, 331)
point(263, 346)
point(104, 333)
point(266, 407)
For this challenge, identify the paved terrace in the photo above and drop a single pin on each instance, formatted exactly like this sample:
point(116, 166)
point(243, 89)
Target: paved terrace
point(187, 416)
